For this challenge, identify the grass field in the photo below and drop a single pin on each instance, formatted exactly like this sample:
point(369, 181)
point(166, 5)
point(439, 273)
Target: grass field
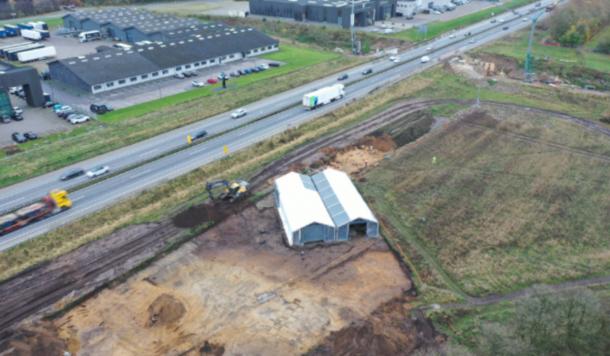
point(130, 125)
point(439, 27)
point(516, 47)
point(506, 204)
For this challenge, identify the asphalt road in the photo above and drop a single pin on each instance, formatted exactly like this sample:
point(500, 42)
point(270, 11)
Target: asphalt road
point(266, 118)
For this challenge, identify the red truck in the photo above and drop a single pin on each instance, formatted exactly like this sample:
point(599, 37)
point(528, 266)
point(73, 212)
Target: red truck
point(56, 201)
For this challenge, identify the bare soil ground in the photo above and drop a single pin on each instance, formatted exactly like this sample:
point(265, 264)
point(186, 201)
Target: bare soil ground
point(238, 285)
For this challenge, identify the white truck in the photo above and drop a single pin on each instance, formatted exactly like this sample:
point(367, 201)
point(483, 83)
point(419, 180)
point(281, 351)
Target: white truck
point(31, 35)
point(36, 54)
point(323, 96)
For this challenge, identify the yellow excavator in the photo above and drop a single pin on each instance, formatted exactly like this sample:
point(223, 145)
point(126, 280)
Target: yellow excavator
point(231, 191)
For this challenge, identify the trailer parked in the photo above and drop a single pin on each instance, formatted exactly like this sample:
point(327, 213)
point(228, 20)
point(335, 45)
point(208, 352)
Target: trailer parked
point(12, 30)
point(323, 96)
point(11, 54)
point(33, 35)
point(36, 54)
point(88, 36)
point(12, 45)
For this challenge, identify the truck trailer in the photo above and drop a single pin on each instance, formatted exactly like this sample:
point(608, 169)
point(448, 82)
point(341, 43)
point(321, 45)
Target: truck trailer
point(12, 30)
point(323, 96)
point(11, 54)
point(37, 54)
point(55, 202)
point(33, 35)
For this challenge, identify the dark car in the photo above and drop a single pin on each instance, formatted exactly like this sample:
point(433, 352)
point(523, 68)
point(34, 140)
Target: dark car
point(273, 64)
point(505, 28)
point(72, 174)
point(343, 77)
point(49, 104)
point(367, 71)
point(261, 68)
point(5, 119)
point(65, 114)
point(240, 72)
point(30, 135)
point(247, 71)
point(200, 134)
point(16, 116)
point(100, 109)
point(18, 137)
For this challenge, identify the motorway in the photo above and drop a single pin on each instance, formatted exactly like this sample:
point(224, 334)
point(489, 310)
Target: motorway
point(266, 118)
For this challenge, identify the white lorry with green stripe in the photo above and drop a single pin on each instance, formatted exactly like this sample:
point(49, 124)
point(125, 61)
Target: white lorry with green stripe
point(323, 96)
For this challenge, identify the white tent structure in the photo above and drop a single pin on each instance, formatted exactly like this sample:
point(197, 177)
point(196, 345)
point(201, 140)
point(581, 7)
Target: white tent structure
point(322, 208)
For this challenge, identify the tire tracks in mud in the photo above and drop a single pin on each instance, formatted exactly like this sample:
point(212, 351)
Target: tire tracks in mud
point(86, 270)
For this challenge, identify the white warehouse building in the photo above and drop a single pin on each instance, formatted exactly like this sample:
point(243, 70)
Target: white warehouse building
point(325, 207)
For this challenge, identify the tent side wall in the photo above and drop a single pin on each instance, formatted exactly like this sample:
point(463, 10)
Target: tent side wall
point(314, 233)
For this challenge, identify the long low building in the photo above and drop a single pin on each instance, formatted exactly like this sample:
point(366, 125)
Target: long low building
point(323, 208)
point(337, 12)
point(127, 25)
point(111, 70)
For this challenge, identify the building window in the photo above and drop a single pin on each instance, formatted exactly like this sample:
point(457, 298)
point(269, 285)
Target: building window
point(165, 71)
point(97, 87)
point(231, 56)
point(187, 66)
point(212, 60)
point(145, 76)
point(155, 74)
point(269, 47)
point(196, 64)
point(178, 68)
point(122, 81)
point(204, 63)
point(110, 85)
point(133, 79)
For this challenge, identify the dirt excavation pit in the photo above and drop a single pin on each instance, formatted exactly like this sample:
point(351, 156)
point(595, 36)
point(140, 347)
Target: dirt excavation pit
point(237, 289)
point(40, 338)
point(165, 310)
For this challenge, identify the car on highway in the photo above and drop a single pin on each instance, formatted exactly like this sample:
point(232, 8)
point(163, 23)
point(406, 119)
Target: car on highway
point(429, 48)
point(200, 134)
point(452, 35)
point(367, 71)
point(493, 21)
point(525, 19)
point(30, 135)
point(472, 41)
point(394, 59)
point(505, 28)
point(98, 171)
point(343, 77)
point(77, 172)
point(79, 119)
point(239, 113)
point(19, 137)
point(424, 59)
point(197, 83)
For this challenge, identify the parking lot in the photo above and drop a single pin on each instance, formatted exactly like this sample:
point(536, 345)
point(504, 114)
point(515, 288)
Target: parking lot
point(39, 120)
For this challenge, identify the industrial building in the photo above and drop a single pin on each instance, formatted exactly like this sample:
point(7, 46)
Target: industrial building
point(323, 208)
point(26, 77)
point(338, 12)
point(127, 25)
point(113, 69)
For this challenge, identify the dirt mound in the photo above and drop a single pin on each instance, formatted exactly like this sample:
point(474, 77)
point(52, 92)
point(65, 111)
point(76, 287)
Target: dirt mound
point(390, 330)
point(211, 349)
point(38, 339)
point(164, 310)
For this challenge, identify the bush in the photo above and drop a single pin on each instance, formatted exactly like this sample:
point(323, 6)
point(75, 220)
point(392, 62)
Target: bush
point(603, 46)
point(578, 21)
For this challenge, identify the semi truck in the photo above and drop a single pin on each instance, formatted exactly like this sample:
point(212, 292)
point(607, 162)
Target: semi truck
point(323, 96)
point(55, 202)
point(36, 54)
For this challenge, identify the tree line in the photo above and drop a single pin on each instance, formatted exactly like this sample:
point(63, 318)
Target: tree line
point(579, 21)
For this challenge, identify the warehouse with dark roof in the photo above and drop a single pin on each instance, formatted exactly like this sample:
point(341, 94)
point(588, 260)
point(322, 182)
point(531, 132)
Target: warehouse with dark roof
point(190, 51)
point(128, 25)
point(338, 12)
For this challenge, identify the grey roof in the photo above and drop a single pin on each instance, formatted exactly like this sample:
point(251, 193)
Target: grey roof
point(327, 3)
point(144, 21)
point(100, 68)
point(333, 206)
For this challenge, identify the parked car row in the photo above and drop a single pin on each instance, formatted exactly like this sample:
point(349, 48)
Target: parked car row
point(68, 113)
point(234, 74)
point(19, 137)
point(16, 115)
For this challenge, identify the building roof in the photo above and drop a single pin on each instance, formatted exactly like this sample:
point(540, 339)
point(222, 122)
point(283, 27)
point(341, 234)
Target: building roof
point(144, 21)
point(329, 198)
point(341, 198)
point(301, 203)
point(100, 68)
point(326, 3)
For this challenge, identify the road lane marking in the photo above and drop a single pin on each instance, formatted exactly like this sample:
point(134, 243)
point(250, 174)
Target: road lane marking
point(140, 174)
point(148, 152)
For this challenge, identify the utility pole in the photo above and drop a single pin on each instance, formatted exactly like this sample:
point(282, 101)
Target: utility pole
point(352, 21)
point(529, 59)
